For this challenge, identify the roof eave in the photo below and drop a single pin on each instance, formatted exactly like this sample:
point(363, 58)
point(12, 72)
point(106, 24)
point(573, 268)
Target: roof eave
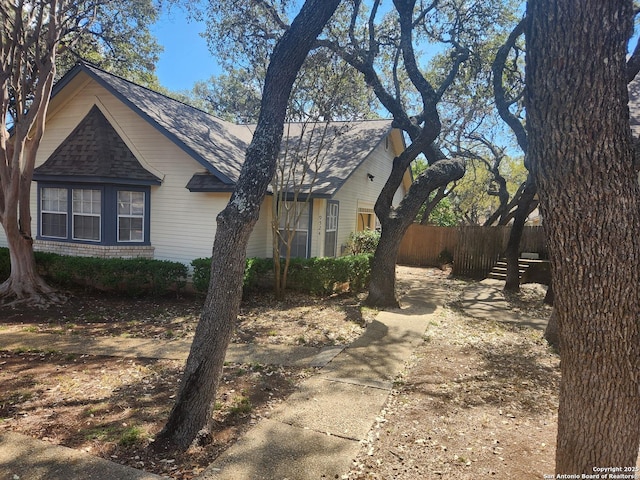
point(94, 179)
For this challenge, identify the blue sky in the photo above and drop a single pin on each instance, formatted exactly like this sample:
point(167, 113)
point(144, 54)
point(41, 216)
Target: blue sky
point(186, 58)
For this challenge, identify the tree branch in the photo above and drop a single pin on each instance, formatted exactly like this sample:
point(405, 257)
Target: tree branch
point(502, 104)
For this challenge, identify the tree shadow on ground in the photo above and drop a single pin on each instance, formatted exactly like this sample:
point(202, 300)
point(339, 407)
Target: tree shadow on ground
point(510, 377)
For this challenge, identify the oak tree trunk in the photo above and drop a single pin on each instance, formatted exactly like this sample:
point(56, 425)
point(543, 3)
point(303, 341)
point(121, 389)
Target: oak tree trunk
point(512, 252)
point(24, 285)
point(192, 410)
point(581, 156)
point(396, 221)
point(382, 286)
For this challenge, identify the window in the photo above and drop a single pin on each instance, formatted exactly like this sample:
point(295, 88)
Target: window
point(130, 216)
point(86, 214)
point(53, 212)
point(331, 231)
point(294, 217)
point(366, 219)
point(105, 214)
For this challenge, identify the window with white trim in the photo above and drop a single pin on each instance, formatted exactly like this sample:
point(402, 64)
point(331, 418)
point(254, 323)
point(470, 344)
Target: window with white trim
point(130, 216)
point(86, 210)
point(294, 219)
point(53, 212)
point(103, 214)
point(331, 230)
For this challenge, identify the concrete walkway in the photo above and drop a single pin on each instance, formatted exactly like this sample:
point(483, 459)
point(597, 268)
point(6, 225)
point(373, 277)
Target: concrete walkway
point(315, 434)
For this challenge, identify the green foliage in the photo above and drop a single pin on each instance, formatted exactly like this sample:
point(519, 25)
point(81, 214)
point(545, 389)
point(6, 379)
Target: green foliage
point(443, 215)
point(471, 197)
point(134, 276)
point(234, 96)
point(243, 34)
point(315, 275)
point(117, 39)
point(256, 269)
point(362, 242)
point(325, 275)
point(201, 274)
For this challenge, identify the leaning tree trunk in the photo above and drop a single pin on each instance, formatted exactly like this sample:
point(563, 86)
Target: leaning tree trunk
point(512, 252)
point(192, 410)
point(382, 286)
point(581, 156)
point(396, 221)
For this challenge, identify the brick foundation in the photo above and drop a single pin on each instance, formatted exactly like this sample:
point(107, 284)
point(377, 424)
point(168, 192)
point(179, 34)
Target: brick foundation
point(99, 251)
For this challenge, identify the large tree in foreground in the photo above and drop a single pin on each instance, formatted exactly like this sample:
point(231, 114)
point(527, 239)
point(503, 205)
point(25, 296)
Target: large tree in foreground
point(581, 155)
point(29, 40)
point(192, 410)
point(34, 35)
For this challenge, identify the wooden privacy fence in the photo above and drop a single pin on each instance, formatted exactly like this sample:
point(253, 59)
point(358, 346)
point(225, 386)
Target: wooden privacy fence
point(475, 250)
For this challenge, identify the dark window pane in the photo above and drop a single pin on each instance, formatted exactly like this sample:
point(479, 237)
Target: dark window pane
point(54, 225)
point(86, 228)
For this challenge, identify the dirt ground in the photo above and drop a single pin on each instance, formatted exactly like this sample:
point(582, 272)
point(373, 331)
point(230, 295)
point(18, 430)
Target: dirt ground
point(477, 401)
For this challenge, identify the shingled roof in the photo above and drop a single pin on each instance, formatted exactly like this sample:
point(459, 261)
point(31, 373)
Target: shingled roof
point(220, 146)
point(332, 151)
point(95, 150)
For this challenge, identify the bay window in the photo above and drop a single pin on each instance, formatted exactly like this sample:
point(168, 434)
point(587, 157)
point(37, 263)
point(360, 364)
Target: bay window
point(105, 214)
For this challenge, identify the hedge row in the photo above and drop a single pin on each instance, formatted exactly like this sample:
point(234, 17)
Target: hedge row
point(135, 276)
point(139, 276)
point(314, 275)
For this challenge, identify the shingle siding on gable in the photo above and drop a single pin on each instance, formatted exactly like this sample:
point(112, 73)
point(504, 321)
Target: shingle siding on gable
point(94, 149)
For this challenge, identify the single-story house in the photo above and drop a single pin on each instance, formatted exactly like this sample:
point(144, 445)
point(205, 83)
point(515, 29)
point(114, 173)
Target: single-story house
point(123, 171)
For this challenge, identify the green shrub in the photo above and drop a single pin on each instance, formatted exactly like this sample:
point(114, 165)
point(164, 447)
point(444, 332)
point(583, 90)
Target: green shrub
point(134, 276)
point(314, 275)
point(363, 242)
point(201, 274)
point(255, 270)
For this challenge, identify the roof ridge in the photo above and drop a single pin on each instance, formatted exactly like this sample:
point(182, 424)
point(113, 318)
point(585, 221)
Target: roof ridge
point(90, 65)
point(302, 122)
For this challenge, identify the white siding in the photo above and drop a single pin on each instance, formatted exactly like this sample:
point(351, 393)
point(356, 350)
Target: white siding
point(260, 243)
point(359, 191)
